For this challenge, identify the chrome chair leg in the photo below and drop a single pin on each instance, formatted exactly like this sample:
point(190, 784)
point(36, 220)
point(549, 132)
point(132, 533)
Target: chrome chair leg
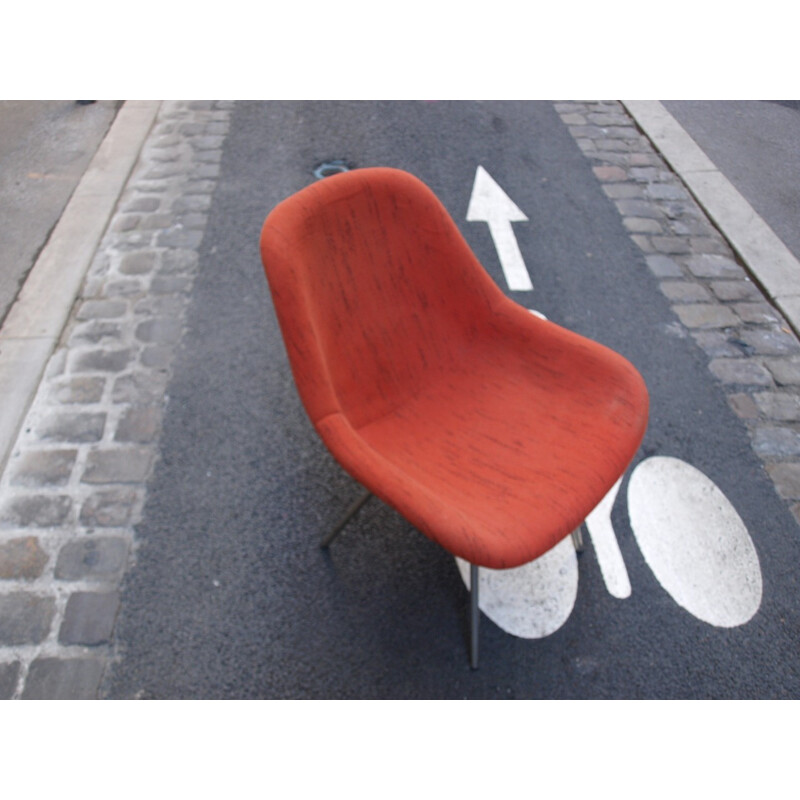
point(346, 517)
point(474, 615)
point(577, 539)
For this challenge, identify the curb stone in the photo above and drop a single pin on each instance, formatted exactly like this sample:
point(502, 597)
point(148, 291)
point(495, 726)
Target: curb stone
point(74, 486)
point(753, 352)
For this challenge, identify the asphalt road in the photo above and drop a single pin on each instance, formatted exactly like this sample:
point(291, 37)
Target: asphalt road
point(231, 597)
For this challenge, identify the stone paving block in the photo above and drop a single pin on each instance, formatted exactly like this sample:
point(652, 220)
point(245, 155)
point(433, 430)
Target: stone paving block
point(638, 208)
point(21, 558)
point(714, 266)
point(787, 479)
point(194, 222)
point(771, 341)
point(208, 142)
point(209, 157)
point(93, 558)
point(663, 266)
point(139, 424)
point(79, 389)
point(25, 618)
point(621, 132)
point(89, 618)
point(9, 675)
point(642, 225)
point(125, 222)
point(779, 405)
point(102, 360)
point(756, 312)
point(101, 309)
point(743, 406)
point(156, 357)
point(145, 204)
point(110, 508)
point(704, 315)
point(671, 244)
point(178, 262)
point(735, 290)
point(140, 388)
point(716, 344)
point(774, 442)
point(63, 679)
point(167, 284)
point(685, 292)
point(137, 263)
point(165, 305)
point(666, 191)
point(623, 191)
point(123, 288)
point(157, 222)
point(72, 427)
point(785, 371)
point(160, 330)
point(40, 511)
point(207, 171)
point(42, 468)
point(611, 174)
point(739, 370)
point(121, 465)
point(179, 237)
point(97, 332)
point(192, 203)
point(608, 119)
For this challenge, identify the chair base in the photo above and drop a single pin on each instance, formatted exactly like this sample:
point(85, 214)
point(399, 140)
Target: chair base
point(474, 575)
point(577, 539)
point(474, 615)
point(346, 517)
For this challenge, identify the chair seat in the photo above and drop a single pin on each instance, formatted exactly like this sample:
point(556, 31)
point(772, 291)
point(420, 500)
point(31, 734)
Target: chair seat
point(502, 458)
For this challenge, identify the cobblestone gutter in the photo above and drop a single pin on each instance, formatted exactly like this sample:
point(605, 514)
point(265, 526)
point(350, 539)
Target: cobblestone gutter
point(752, 350)
point(74, 486)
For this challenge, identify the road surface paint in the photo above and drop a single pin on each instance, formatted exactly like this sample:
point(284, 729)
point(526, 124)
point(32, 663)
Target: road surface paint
point(489, 203)
point(606, 547)
point(531, 601)
point(694, 541)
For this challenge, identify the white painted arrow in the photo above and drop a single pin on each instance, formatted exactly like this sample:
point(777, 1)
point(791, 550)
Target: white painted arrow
point(489, 203)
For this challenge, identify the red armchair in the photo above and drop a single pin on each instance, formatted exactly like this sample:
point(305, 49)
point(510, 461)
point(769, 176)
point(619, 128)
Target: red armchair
point(492, 431)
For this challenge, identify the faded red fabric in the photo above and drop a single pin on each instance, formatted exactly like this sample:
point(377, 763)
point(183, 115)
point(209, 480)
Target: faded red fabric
point(492, 431)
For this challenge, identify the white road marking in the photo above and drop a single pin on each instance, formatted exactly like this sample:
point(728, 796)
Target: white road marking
point(531, 601)
point(694, 541)
point(489, 203)
point(606, 547)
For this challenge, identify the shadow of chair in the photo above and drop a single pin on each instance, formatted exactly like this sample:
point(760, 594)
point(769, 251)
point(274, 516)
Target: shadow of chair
point(492, 431)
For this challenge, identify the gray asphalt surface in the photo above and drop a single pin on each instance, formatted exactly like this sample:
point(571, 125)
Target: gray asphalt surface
point(45, 147)
point(231, 597)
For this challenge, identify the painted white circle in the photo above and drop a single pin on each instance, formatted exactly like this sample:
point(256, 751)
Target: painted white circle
point(531, 601)
point(694, 541)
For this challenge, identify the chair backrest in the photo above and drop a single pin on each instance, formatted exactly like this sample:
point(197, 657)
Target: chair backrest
point(375, 289)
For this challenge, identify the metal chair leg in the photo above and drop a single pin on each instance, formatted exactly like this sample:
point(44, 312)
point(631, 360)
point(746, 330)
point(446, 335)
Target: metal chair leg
point(577, 539)
point(474, 615)
point(348, 515)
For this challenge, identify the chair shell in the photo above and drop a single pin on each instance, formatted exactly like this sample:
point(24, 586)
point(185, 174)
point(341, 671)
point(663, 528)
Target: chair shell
point(493, 431)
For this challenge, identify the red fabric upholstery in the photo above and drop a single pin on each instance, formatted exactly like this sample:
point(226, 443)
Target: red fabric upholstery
point(492, 431)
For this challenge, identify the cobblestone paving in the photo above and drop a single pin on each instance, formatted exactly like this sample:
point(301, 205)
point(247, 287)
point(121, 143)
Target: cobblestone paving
point(74, 486)
point(752, 350)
